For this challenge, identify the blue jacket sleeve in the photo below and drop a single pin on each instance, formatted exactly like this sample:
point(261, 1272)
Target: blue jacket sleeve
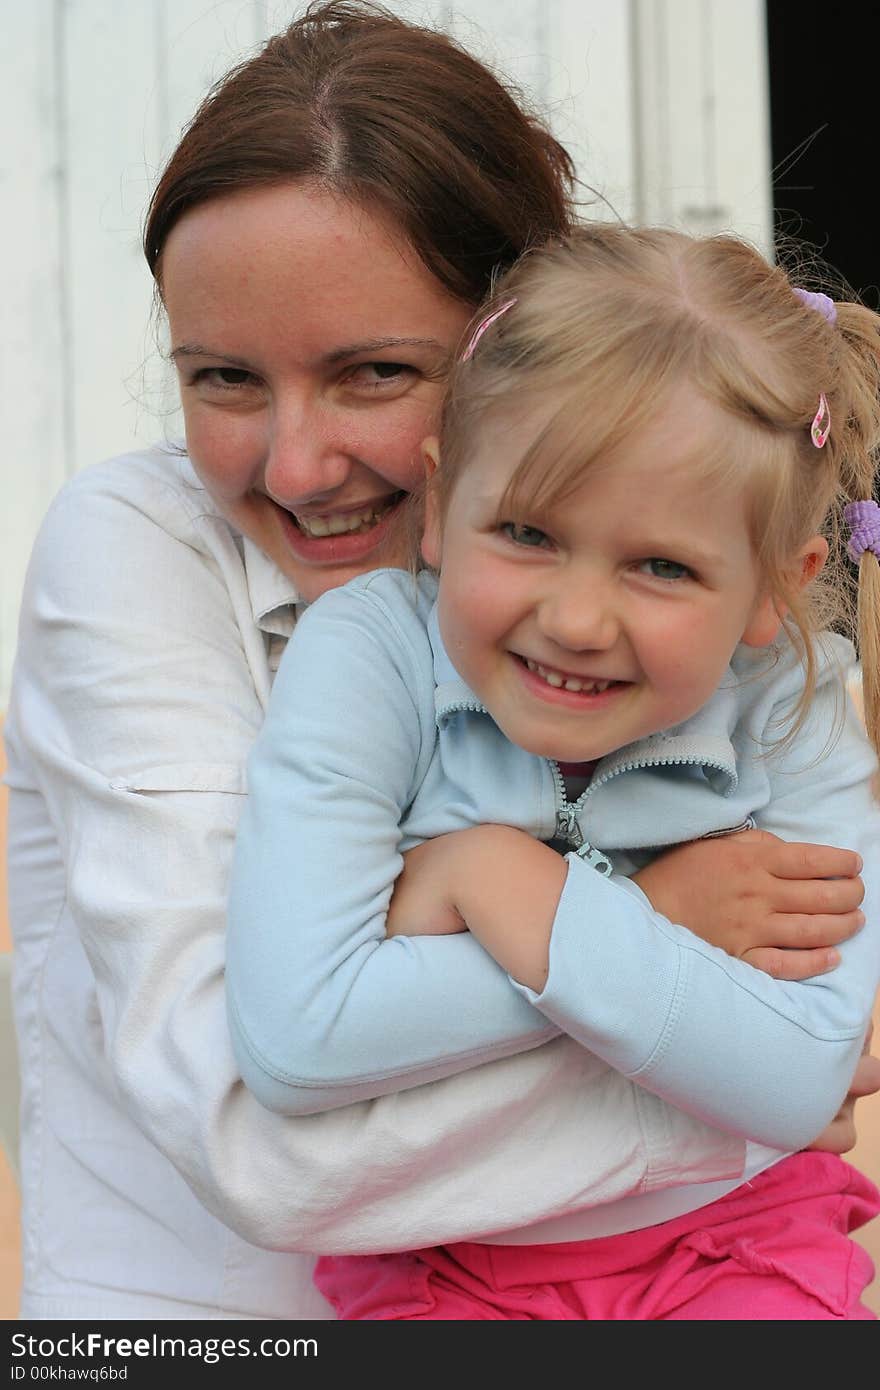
point(770, 1059)
point(323, 1009)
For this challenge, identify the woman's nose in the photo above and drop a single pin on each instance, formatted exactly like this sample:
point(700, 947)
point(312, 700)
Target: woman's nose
point(304, 459)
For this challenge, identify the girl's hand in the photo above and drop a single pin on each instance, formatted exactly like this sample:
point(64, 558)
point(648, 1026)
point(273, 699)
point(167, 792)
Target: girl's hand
point(781, 907)
point(840, 1136)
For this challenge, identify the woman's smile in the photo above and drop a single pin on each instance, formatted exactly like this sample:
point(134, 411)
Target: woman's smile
point(342, 537)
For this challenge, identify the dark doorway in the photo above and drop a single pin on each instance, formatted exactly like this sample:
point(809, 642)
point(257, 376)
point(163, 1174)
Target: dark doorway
point(824, 66)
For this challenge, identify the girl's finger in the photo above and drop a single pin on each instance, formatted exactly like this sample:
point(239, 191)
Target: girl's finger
point(794, 932)
point(816, 896)
point(809, 861)
point(792, 965)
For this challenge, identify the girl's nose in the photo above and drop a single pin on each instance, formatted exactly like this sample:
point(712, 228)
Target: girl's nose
point(580, 618)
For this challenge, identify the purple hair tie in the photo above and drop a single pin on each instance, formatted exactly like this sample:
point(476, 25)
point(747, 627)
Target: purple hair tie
point(814, 299)
point(863, 520)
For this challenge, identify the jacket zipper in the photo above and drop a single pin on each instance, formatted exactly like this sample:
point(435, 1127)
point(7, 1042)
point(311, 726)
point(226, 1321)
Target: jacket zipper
point(568, 829)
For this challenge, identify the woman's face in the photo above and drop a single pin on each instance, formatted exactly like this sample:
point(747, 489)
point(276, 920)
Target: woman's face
point(311, 345)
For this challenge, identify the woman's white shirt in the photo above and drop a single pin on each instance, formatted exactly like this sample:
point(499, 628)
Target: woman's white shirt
point(151, 1178)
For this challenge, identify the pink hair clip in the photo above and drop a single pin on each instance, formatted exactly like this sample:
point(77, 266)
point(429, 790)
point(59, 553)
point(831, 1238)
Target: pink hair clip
point(481, 328)
point(821, 426)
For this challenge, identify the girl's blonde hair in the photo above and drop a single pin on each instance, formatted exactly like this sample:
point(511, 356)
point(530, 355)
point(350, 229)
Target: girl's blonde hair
point(603, 327)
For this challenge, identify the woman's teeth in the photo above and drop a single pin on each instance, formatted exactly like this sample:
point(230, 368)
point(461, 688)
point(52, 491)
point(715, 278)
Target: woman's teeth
point(561, 682)
point(342, 525)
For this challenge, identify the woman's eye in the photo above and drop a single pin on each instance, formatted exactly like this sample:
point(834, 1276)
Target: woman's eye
point(225, 378)
point(524, 535)
point(664, 569)
point(372, 376)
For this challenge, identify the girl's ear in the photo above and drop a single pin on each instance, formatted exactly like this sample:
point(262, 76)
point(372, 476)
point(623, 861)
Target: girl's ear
point(431, 539)
point(811, 559)
point(764, 624)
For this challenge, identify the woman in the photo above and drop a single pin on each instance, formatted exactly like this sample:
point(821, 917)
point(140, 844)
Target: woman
point(319, 239)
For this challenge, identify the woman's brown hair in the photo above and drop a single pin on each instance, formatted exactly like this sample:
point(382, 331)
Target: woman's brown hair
point(391, 115)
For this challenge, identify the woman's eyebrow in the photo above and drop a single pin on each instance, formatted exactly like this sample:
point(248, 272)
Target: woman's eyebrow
point(381, 345)
point(340, 354)
point(199, 350)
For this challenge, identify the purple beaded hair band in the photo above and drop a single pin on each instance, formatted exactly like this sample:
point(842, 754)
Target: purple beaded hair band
point(863, 520)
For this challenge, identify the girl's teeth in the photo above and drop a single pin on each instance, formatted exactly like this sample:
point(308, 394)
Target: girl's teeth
point(568, 682)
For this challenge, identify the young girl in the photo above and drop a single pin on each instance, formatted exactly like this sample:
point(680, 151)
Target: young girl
point(642, 452)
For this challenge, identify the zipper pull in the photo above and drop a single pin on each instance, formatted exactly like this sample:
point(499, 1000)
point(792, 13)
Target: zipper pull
point(567, 827)
point(599, 861)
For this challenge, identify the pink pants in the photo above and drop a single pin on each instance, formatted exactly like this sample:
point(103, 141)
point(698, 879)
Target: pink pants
point(775, 1249)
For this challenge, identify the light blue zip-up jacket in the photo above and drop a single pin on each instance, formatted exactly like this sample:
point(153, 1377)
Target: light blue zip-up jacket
point(373, 743)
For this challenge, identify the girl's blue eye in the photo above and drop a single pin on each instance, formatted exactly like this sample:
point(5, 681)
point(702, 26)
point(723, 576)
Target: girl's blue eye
point(665, 569)
point(524, 535)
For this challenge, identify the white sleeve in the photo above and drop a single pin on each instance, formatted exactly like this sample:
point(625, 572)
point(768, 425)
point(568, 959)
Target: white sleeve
point(134, 712)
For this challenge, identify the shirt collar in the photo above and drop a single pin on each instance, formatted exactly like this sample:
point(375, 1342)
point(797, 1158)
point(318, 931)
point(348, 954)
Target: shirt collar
point(273, 596)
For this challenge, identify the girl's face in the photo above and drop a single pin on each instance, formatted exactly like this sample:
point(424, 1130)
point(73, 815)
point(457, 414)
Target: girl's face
point(311, 345)
point(612, 616)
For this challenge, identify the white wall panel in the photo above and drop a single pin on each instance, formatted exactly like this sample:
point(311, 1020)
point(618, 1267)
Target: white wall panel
point(700, 85)
point(109, 75)
point(35, 389)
